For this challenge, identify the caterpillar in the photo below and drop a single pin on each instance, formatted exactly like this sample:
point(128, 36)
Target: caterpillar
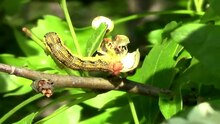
point(64, 56)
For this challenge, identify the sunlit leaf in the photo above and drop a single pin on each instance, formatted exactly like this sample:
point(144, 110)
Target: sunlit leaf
point(13, 83)
point(96, 39)
point(155, 37)
point(69, 116)
point(103, 99)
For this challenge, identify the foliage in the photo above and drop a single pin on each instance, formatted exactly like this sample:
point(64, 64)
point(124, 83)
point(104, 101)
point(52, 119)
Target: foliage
point(180, 51)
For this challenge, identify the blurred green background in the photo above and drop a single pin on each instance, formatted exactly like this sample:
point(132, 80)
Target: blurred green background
point(145, 31)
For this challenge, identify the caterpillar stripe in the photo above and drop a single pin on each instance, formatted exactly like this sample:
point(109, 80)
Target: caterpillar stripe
point(99, 63)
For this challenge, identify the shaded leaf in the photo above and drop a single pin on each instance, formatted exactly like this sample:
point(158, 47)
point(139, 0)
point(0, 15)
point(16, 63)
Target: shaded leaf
point(112, 115)
point(171, 106)
point(27, 120)
point(213, 12)
point(202, 42)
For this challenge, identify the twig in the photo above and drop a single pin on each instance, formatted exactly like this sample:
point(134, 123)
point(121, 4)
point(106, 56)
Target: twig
point(65, 81)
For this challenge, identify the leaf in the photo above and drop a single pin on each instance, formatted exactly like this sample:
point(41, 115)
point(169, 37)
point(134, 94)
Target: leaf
point(67, 109)
point(94, 42)
point(28, 47)
point(154, 37)
point(112, 116)
point(202, 42)
point(104, 99)
point(170, 106)
point(168, 29)
point(12, 60)
point(54, 24)
point(13, 83)
point(213, 12)
point(27, 120)
point(69, 116)
point(214, 4)
point(210, 15)
point(158, 69)
point(83, 36)
point(50, 23)
point(158, 66)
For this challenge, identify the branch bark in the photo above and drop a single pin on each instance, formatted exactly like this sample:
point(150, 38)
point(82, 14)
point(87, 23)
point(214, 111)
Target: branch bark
point(66, 81)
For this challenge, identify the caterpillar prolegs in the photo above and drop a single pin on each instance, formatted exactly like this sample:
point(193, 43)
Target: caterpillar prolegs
point(98, 63)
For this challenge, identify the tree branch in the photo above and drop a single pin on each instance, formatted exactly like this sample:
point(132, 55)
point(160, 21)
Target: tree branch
point(65, 81)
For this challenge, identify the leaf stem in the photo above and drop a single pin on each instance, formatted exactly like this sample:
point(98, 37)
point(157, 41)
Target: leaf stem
point(198, 5)
point(189, 5)
point(19, 106)
point(133, 111)
point(136, 16)
point(69, 22)
point(30, 34)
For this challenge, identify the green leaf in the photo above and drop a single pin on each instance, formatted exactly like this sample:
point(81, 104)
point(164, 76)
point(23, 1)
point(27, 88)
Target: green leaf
point(10, 82)
point(27, 120)
point(104, 99)
point(69, 116)
point(210, 15)
point(94, 42)
point(115, 115)
point(202, 42)
point(12, 60)
point(158, 66)
point(45, 63)
point(170, 106)
point(154, 37)
point(63, 110)
point(83, 36)
point(213, 12)
point(158, 69)
point(54, 24)
point(168, 29)
point(199, 74)
point(14, 85)
point(28, 47)
point(51, 23)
